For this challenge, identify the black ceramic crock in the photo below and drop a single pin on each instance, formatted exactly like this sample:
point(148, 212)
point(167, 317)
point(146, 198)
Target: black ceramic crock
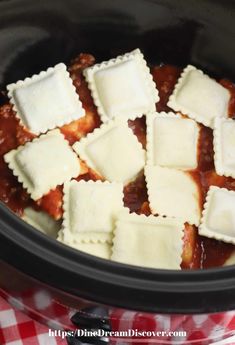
point(37, 34)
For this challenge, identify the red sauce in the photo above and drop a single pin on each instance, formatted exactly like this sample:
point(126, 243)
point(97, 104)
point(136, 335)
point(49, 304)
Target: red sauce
point(165, 77)
point(199, 252)
point(11, 136)
point(214, 253)
point(138, 127)
point(205, 149)
point(191, 257)
point(52, 203)
point(135, 194)
point(231, 87)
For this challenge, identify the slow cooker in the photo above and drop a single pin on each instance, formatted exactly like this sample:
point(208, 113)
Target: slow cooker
point(35, 35)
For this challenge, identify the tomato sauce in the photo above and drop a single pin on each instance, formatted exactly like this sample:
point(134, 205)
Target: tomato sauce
point(199, 252)
point(11, 136)
point(231, 87)
point(135, 194)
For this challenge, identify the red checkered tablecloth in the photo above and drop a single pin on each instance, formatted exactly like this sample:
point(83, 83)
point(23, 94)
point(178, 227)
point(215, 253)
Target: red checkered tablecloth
point(16, 328)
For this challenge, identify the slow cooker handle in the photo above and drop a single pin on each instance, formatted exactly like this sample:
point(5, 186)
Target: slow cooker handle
point(90, 319)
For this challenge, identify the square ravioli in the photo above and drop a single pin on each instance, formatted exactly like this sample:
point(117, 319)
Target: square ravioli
point(199, 97)
point(122, 87)
point(173, 193)
point(113, 151)
point(224, 147)
point(44, 163)
point(102, 250)
point(46, 100)
point(155, 242)
point(172, 141)
point(96, 222)
point(218, 220)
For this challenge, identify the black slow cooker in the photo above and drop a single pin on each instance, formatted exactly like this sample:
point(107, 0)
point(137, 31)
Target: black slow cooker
point(38, 34)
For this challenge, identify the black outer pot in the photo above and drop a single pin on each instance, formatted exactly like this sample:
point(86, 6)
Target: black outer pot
point(37, 34)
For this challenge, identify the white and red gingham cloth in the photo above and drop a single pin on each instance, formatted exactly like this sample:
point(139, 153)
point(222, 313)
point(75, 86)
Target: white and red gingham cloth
point(17, 328)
